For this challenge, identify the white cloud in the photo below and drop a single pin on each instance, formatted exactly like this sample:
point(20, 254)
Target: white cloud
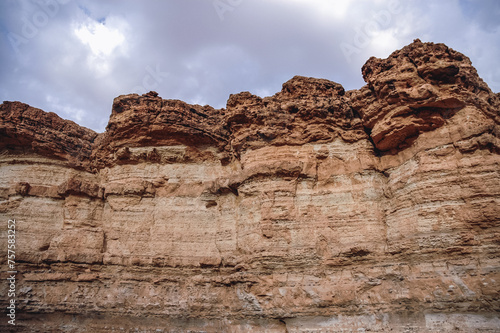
point(66, 111)
point(323, 9)
point(385, 42)
point(101, 39)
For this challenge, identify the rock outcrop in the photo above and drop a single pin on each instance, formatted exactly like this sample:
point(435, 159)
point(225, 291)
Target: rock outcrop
point(416, 90)
point(313, 210)
point(29, 130)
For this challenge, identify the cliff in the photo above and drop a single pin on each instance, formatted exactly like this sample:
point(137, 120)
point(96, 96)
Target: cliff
point(313, 210)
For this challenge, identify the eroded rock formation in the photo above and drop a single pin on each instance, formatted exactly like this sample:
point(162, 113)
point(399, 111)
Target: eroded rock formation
point(313, 210)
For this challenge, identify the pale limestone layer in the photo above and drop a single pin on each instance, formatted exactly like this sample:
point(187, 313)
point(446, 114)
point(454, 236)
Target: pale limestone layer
point(320, 233)
point(313, 210)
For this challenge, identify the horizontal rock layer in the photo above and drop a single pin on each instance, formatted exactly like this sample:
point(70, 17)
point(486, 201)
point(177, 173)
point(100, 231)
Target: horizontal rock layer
point(313, 210)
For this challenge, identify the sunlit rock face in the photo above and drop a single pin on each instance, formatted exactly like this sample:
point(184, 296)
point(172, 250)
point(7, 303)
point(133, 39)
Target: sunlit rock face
point(313, 210)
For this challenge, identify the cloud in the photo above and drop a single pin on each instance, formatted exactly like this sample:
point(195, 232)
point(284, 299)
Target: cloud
point(101, 39)
point(80, 54)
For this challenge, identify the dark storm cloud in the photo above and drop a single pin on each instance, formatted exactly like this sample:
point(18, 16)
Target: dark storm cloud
point(79, 54)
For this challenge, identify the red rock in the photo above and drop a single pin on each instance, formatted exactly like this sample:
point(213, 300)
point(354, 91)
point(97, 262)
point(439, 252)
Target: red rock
point(306, 110)
point(46, 134)
point(415, 90)
point(314, 209)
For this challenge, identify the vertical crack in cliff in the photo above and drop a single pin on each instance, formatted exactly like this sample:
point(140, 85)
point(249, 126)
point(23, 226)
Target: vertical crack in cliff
point(219, 252)
point(285, 326)
point(376, 151)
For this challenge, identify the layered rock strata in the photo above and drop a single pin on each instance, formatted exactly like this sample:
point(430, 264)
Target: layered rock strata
point(313, 210)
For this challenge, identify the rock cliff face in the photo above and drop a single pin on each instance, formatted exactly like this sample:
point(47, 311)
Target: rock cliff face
point(313, 210)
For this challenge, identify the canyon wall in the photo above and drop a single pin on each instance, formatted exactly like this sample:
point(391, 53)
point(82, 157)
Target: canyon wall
point(313, 210)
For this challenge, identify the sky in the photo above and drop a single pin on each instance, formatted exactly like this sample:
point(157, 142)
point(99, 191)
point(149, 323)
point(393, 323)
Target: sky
point(73, 57)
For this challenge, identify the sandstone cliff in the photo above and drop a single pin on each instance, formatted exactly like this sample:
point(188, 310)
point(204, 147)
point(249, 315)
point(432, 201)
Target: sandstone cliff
point(313, 210)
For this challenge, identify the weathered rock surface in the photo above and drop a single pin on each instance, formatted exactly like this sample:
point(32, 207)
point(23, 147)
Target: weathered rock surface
point(25, 129)
point(313, 210)
point(416, 90)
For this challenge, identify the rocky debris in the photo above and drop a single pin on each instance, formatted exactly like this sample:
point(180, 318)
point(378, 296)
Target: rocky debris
point(314, 209)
